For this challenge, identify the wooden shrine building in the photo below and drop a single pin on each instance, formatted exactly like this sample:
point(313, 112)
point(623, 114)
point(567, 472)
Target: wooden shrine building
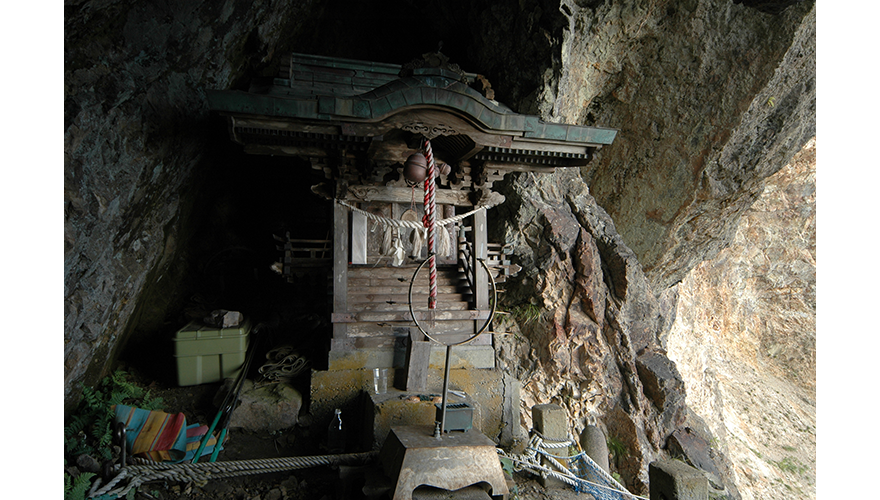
point(358, 122)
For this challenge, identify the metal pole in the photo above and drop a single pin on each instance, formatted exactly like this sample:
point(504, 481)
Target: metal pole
point(445, 391)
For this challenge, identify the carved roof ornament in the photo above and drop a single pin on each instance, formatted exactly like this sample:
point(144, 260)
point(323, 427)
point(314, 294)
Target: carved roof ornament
point(428, 130)
point(434, 60)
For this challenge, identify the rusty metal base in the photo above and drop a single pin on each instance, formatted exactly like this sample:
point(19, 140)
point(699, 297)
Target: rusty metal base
point(413, 457)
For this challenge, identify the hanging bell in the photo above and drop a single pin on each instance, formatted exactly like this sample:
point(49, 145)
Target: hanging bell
point(415, 169)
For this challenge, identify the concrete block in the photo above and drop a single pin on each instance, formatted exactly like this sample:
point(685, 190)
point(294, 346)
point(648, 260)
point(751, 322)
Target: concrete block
point(551, 420)
point(464, 356)
point(676, 480)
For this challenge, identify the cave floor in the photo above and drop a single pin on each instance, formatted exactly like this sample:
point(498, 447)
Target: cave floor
point(317, 483)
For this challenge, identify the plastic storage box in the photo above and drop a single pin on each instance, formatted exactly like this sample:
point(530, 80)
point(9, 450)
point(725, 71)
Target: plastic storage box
point(207, 354)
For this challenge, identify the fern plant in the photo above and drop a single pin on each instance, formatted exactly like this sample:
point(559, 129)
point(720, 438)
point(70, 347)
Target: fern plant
point(90, 429)
point(75, 489)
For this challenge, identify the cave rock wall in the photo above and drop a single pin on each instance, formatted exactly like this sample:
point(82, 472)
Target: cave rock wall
point(136, 129)
point(595, 346)
point(710, 98)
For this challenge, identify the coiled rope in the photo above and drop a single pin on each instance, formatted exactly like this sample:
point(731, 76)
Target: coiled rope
point(602, 487)
point(201, 472)
point(282, 363)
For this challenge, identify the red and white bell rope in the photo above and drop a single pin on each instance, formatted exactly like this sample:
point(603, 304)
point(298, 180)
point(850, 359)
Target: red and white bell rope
point(430, 221)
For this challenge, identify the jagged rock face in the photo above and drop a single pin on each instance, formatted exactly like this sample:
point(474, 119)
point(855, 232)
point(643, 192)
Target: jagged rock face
point(745, 338)
point(135, 133)
point(595, 350)
point(710, 98)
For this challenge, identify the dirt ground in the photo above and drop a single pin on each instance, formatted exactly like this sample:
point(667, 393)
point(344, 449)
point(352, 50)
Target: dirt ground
point(317, 483)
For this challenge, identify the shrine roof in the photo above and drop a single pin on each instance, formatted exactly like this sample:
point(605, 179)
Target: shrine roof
point(333, 90)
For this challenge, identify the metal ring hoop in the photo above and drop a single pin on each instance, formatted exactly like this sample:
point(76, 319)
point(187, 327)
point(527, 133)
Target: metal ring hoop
point(482, 328)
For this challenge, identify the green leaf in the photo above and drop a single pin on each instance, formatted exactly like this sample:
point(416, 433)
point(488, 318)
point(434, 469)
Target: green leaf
point(80, 486)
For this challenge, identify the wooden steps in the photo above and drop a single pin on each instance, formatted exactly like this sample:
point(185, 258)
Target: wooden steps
point(378, 302)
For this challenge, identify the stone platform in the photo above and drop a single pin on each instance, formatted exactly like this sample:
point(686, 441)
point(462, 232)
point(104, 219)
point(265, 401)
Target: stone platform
point(493, 395)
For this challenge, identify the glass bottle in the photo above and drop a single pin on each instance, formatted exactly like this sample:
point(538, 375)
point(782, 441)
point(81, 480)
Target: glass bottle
point(335, 433)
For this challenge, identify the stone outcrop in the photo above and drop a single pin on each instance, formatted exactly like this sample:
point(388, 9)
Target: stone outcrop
point(596, 350)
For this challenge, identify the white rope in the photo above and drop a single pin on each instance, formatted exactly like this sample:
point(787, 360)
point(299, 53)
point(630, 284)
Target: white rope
point(599, 491)
point(408, 223)
point(611, 490)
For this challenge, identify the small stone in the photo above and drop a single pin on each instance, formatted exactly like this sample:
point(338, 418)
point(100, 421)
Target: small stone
point(231, 319)
point(87, 463)
point(266, 409)
point(290, 483)
point(273, 494)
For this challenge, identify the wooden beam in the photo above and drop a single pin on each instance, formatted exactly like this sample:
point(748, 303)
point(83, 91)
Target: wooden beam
point(520, 167)
point(358, 238)
point(398, 316)
point(340, 267)
point(481, 285)
point(391, 194)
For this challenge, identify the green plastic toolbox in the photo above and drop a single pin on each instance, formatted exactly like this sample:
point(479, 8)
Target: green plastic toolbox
point(207, 354)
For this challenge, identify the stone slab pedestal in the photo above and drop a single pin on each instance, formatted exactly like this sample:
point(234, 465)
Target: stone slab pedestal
point(412, 457)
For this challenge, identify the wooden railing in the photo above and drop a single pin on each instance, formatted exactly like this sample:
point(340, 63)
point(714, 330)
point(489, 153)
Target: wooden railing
point(302, 256)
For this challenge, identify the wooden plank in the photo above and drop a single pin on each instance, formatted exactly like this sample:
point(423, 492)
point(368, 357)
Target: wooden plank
point(375, 342)
point(382, 290)
point(358, 238)
point(340, 266)
point(393, 194)
point(401, 316)
point(523, 167)
point(418, 359)
point(456, 337)
point(398, 272)
point(309, 262)
point(402, 298)
point(402, 282)
point(481, 280)
point(361, 331)
point(402, 306)
point(318, 243)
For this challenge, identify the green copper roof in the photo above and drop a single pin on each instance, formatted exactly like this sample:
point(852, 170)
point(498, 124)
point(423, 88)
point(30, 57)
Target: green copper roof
point(333, 90)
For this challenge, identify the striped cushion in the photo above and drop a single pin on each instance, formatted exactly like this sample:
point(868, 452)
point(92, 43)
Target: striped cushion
point(160, 436)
